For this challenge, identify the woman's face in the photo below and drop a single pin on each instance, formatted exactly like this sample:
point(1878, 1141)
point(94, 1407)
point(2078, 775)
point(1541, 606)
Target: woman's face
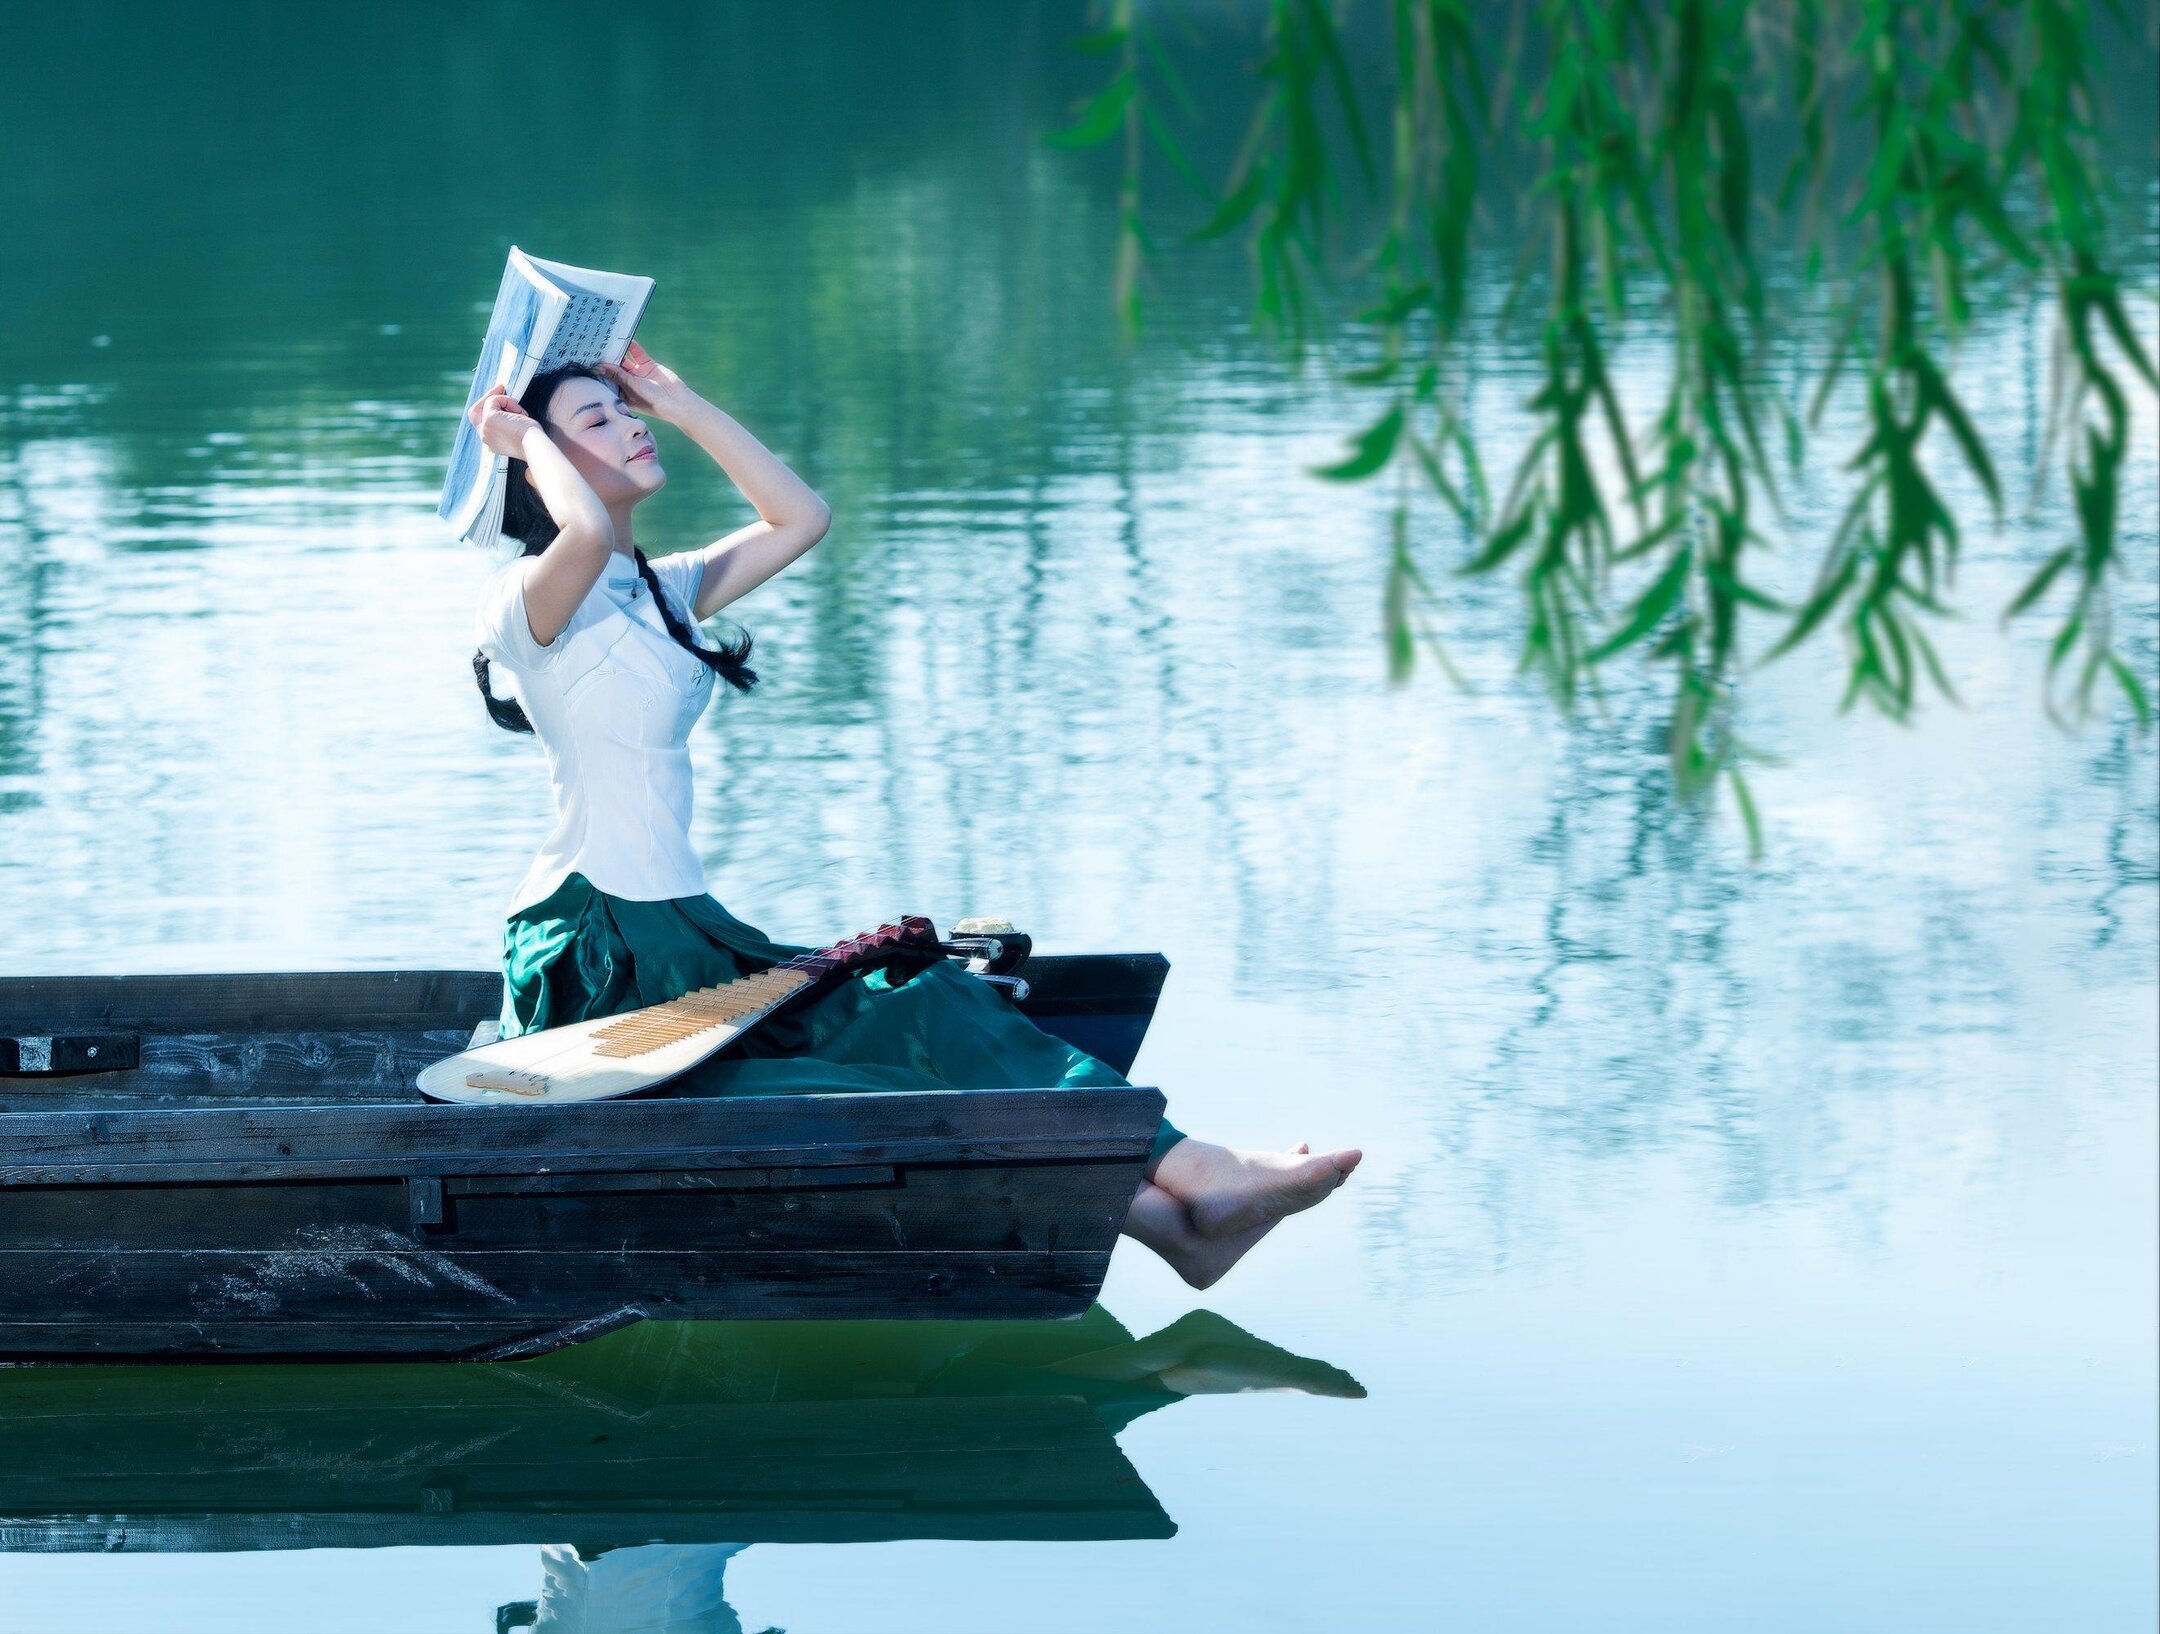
point(607, 443)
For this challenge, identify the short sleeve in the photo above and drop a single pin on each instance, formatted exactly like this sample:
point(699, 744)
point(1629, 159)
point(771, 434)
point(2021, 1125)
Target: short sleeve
point(501, 625)
point(681, 575)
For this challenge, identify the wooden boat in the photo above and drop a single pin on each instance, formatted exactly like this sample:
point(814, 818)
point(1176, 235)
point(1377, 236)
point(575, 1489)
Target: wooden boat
point(239, 1165)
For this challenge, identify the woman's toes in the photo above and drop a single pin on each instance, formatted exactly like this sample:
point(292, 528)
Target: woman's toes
point(1267, 1188)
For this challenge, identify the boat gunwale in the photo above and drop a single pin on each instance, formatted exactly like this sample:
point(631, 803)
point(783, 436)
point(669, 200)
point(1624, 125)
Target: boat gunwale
point(430, 999)
point(385, 1140)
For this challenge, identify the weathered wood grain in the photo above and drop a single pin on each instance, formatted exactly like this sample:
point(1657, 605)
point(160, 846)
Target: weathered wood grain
point(405, 1000)
point(320, 1067)
point(1037, 1209)
point(1031, 1208)
point(500, 1304)
point(327, 1281)
point(179, 1339)
point(808, 1131)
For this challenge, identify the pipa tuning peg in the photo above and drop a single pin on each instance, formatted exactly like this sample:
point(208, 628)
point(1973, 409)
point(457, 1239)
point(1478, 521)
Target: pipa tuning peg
point(989, 944)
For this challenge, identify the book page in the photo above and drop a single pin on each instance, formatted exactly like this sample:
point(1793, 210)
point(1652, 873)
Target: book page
point(615, 286)
point(585, 330)
point(602, 312)
point(475, 469)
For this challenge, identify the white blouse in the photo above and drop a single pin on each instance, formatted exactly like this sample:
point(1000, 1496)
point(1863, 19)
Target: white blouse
point(612, 699)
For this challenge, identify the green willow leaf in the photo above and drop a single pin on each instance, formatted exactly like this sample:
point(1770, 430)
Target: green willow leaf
point(1920, 598)
point(1503, 544)
point(1101, 118)
point(1399, 304)
point(1395, 604)
point(2066, 637)
point(1840, 351)
point(1674, 643)
point(1649, 611)
point(2037, 585)
point(1167, 145)
point(1615, 424)
point(1873, 672)
point(1934, 666)
point(1901, 656)
point(1748, 815)
point(1170, 76)
point(2132, 689)
point(2086, 679)
point(1101, 41)
point(1372, 449)
point(1986, 207)
point(1816, 609)
point(1735, 187)
point(2118, 322)
point(1447, 490)
point(1466, 446)
point(1651, 539)
point(1936, 391)
point(1735, 588)
point(2096, 496)
point(1323, 28)
point(1373, 374)
point(1235, 207)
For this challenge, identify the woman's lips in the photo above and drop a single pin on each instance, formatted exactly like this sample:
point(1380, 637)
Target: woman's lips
point(645, 454)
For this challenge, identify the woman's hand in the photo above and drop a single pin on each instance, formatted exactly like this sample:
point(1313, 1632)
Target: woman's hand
point(648, 387)
point(502, 422)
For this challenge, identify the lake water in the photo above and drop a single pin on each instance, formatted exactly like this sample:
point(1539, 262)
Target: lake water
point(1764, 1246)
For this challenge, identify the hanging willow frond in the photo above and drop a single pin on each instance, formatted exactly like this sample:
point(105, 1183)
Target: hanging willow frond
point(1641, 123)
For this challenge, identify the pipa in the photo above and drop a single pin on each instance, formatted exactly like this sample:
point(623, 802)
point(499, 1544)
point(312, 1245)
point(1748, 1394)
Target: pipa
point(622, 1054)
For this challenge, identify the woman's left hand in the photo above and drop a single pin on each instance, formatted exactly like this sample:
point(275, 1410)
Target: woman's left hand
point(647, 386)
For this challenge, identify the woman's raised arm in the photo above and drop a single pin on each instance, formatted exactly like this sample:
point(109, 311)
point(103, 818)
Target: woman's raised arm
point(791, 516)
point(577, 556)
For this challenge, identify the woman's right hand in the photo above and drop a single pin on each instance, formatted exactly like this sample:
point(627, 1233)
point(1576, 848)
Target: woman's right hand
point(502, 422)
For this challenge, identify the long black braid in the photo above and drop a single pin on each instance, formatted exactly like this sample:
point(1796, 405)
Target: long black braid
point(526, 519)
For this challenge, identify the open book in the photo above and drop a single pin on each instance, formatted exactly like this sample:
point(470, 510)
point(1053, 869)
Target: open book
point(546, 315)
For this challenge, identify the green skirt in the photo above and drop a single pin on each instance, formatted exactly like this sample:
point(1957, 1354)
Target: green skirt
point(583, 953)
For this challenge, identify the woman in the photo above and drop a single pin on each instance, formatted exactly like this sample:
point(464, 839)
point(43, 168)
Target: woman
point(599, 645)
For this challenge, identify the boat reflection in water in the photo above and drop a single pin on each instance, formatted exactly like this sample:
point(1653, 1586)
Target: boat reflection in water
point(643, 1460)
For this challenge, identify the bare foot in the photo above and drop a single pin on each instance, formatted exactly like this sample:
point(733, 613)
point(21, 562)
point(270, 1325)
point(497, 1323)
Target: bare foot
point(1227, 1192)
point(1159, 1220)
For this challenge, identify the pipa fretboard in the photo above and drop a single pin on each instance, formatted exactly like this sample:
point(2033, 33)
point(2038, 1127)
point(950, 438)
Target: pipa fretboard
point(735, 1002)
